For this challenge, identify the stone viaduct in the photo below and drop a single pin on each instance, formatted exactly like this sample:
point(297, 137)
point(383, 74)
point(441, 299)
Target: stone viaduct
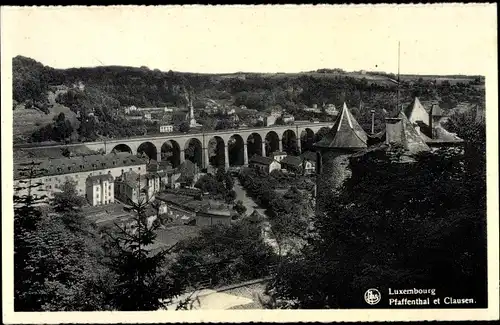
point(248, 141)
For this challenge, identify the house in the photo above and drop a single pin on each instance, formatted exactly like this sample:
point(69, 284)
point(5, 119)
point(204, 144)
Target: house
point(265, 164)
point(331, 110)
point(278, 155)
point(137, 188)
point(128, 110)
point(55, 172)
point(100, 189)
point(292, 164)
point(271, 118)
point(309, 162)
point(429, 125)
point(288, 118)
point(166, 128)
point(186, 174)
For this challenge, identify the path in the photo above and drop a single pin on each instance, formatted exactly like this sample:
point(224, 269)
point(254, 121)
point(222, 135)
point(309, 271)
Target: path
point(251, 205)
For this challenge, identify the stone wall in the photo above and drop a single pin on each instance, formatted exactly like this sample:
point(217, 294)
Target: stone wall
point(333, 172)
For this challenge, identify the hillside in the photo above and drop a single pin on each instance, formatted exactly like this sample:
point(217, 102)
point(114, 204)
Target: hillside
point(103, 90)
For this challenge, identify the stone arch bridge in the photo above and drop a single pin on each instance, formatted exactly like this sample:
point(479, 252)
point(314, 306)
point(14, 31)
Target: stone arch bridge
point(218, 148)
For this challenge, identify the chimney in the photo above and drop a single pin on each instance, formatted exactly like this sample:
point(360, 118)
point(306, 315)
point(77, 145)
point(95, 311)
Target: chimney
point(394, 130)
point(435, 119)
point(373, 120)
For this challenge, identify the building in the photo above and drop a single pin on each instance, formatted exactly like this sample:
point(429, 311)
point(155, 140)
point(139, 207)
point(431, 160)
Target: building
point(331, 110)
point(270, 119)
point(309, 162)
point(265, 164)
point(137, 188)
point(333, 150)
point(53, 173)
point(166, 128)
point(429, 125)
point(147, 116)
point(185, 175)
point(292, 164)
point(213, 217)
point(288, 118)
point(129, 109)
point(100, 189)
point(278, 155)
point(313, 109)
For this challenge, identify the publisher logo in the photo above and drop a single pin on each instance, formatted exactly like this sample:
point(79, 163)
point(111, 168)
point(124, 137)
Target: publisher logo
point(372, 296)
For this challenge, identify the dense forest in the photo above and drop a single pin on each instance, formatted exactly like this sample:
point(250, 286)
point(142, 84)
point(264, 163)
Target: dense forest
point(105, 89)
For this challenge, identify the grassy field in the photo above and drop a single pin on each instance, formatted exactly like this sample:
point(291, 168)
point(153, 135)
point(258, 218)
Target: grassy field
point(25, 121)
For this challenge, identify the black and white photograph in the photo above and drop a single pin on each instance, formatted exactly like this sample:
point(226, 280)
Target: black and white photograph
point(251, 161)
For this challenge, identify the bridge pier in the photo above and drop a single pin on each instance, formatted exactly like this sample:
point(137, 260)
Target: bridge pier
point(263, 148)
point(226, 156)
point(245, 154)
point(280, 142)
point(182, 157)
point(206, 158)
point(158, 156)
point(299, 145)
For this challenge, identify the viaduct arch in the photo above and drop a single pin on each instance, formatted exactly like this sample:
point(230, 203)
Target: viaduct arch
point(249, 141)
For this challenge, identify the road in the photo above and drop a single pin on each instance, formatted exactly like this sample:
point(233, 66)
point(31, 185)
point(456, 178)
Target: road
point(251, 205)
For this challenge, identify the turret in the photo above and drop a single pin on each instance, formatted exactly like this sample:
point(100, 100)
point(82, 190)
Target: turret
point(435, 116)
point(345, 138)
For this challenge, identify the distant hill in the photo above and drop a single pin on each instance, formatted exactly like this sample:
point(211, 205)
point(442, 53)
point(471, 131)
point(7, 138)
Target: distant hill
point(103, 90)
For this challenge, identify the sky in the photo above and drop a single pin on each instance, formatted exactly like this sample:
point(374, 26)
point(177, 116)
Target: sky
point(435, 39)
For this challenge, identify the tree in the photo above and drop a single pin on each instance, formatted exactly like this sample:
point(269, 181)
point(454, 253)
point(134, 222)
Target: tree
point(230, 196)
point(142, 279)
point(68, 203)
point(55, 269)
point(184, 127)
point(362, 240)
point(239, 207)
point(223, 254)
point(26, 220)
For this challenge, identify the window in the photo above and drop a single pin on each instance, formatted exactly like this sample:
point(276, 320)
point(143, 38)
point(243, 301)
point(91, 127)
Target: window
point(109, 187)
point(109, 172)
point(90, 174)
point(139, 168)
point(97, 189)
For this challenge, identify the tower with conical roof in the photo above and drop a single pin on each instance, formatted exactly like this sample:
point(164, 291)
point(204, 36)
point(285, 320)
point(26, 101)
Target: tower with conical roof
point(332, 168)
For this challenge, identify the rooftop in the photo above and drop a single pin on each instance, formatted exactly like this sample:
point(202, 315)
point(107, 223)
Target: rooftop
point(61, 166)
point(292, 161)
point(100, 178)
point(346, 133)
point(261, 160)
point(309, 155)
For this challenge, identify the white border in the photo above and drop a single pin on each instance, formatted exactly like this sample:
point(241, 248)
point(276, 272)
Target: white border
point(490, 71)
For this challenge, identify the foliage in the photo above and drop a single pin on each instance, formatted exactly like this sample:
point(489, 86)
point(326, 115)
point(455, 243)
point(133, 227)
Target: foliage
point(239, 207)
point(69, 204)
point(184, 127)
point(219, 186)
point(362, 241)
point(54, 267)
point(109, 88)
point(142, 280)
point(223, 254)
point(60, 130)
